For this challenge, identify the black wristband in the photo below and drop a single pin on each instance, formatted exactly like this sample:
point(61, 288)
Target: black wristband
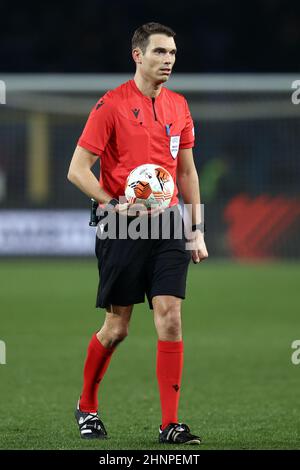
point(113, 202)
point(200, 227)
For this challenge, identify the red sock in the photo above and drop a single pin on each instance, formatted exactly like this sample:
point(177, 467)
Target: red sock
point(168, 371)
point(97, 360)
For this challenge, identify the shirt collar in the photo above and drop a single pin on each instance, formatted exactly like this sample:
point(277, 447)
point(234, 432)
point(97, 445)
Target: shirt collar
point(138, 91)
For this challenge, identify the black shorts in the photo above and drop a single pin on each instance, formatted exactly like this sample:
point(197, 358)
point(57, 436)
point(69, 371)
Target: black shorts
point(130, 268)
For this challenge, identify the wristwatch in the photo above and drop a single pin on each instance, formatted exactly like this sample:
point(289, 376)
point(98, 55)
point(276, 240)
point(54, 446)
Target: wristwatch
point(113, 202)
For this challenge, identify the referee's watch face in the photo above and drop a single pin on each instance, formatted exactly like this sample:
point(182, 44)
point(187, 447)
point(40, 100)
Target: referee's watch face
point(157, 61)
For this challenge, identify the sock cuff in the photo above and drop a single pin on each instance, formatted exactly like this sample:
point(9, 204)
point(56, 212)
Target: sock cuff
point(95, 344)
point(170, 346)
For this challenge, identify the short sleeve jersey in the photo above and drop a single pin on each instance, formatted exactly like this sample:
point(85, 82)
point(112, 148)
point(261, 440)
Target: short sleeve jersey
point(127, 129)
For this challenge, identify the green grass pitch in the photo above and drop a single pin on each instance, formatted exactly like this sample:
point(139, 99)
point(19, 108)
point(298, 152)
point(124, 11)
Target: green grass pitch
point(240, 389)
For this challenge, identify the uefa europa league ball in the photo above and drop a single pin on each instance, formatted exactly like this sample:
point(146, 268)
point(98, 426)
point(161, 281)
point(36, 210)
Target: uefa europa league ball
point(150, 185)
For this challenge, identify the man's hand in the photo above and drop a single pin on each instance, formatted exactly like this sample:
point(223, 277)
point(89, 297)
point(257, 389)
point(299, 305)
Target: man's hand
point(199, 251)
point(137, 210)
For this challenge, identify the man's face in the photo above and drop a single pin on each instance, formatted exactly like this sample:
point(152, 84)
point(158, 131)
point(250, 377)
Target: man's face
point(157, 62)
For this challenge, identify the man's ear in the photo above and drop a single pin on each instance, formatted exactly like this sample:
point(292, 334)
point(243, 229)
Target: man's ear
point(137, 55)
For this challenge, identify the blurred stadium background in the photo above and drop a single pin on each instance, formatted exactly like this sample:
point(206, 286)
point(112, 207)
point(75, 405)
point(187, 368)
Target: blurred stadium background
point(236, 66)
point(247, 154)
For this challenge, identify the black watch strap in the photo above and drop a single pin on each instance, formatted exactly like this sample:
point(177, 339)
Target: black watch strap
point(113, 202)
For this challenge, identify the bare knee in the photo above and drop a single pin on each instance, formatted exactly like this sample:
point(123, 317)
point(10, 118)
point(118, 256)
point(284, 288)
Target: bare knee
point(112, 336)
point(115, 327)
point(117, 334)
point(168, 327)
point(167, 318)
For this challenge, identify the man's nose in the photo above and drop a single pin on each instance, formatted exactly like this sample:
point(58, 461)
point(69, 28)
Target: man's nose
point(168, 59)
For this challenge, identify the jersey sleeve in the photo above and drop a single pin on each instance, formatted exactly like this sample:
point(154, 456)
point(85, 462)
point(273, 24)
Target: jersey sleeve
point(98, 128)
point(187, 138)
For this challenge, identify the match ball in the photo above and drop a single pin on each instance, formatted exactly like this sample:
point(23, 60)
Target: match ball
point(151, 185)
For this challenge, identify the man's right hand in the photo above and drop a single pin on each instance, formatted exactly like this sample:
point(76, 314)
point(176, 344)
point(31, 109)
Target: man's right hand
point(137, 210)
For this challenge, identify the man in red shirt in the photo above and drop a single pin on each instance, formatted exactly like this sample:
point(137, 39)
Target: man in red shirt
point(140, 122)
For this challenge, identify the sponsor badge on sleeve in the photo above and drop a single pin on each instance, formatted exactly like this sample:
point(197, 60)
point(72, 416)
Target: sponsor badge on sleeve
point(174, 145)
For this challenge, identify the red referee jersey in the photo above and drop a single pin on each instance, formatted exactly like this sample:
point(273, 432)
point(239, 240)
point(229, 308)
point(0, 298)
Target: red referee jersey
point(128, 129)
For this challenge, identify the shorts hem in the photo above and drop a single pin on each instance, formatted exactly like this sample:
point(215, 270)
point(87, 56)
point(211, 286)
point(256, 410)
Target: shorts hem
point(173, 294)
point(121, 304)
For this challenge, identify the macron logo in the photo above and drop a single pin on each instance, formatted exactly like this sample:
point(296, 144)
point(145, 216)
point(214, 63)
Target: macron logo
point(135, 112)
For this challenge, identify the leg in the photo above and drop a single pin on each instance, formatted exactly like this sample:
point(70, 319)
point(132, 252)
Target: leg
point(115, 327)
point(101, 347)
point(167, 319)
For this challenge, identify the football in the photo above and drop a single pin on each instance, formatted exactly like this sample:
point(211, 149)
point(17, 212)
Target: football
point(150, 185)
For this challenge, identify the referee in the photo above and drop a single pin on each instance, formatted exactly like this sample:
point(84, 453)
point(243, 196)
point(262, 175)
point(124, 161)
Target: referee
point(140, 122)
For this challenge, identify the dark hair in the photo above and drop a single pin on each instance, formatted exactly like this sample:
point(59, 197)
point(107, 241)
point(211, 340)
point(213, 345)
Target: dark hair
point(141, 35)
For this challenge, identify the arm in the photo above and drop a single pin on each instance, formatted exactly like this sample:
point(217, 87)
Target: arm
point(188, 184)
point(80, 175)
